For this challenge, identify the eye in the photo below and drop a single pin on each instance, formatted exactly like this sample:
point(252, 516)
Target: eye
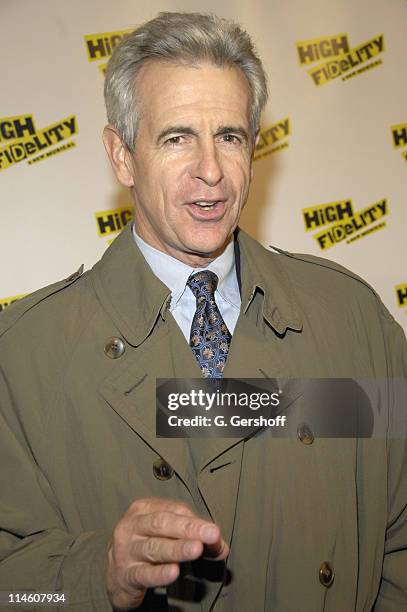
point(231, 138)
point(174, 140)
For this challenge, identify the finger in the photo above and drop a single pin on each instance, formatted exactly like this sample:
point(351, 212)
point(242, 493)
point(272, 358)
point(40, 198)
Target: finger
point(170, 525)
point(148, 576)
point(164, 550)
point(146, 505)
point(217, 551)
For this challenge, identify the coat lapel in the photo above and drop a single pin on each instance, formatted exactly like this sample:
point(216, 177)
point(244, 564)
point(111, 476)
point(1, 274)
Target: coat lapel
point(131, 394)
point(137, 303)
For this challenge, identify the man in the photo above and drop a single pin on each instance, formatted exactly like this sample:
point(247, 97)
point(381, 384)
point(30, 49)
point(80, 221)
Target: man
point(94, 504)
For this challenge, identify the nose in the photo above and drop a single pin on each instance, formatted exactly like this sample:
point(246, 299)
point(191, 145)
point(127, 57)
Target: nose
point(207, 167)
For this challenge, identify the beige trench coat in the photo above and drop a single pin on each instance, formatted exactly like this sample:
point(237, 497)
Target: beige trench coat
point(78, 440)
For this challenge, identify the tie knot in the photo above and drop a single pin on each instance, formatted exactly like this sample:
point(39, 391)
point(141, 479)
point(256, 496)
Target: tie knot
point(203, 284)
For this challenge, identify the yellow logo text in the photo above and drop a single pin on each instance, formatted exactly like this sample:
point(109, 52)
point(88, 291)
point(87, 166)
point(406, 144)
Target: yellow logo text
point(111, 221)
point(324, 214)
point(345, 228)
point(19, 150)
point(316, 49)
point(323, 73)
point(270, 139)
point(399, 135)
point(101, 46)
point(401, 292)
point(13, 128)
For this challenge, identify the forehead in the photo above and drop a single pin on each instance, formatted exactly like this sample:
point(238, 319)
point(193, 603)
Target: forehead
point(168, 92)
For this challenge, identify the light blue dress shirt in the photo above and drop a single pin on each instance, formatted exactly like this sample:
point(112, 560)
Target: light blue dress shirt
point(174, 274)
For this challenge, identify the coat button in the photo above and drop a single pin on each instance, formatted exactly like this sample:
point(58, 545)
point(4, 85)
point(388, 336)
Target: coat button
point(114, 348)
point(162, 470)
point(305, 434)
point(326, 574)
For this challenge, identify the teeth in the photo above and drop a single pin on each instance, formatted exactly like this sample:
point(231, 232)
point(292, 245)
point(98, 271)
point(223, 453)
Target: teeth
point(206, 205)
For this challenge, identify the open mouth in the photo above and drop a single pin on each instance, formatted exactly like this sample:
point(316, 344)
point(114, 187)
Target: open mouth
point(207, 210)
point(205, 205)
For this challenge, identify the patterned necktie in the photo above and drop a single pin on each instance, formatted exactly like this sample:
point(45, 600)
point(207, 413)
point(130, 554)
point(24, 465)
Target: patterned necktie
point(210, 337)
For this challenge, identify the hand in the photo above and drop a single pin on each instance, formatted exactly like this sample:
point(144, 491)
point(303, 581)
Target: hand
point(148, 544)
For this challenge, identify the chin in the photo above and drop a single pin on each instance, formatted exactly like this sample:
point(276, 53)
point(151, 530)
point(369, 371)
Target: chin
point(208, 247)
point(208, 243)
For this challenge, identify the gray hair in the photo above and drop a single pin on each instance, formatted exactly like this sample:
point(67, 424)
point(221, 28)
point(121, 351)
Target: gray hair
point(186, 38)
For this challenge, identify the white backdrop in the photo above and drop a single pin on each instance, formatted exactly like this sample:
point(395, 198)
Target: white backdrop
point(333, 151)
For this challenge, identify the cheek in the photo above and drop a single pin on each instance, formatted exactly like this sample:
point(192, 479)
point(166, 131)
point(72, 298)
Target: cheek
point(239, 169)
point(241, 180)
point(171, 177)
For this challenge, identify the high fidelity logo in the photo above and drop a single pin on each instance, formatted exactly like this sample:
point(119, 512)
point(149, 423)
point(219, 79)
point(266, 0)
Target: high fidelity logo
point(101, 46)
point(333, 57)
point(20, 140)
point(401, 294)
point(341, 223)
point(399, 138)
point(273, 138)
point(111, 221)
point(4, 302)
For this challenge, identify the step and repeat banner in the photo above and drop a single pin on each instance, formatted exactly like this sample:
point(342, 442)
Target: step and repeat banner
point(330, 170)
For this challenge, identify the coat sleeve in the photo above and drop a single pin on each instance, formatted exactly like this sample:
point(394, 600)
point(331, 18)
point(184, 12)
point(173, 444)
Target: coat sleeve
point(392, 595)
point(37, 552)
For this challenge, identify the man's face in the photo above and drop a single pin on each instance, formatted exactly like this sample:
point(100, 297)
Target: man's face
point(191, 167)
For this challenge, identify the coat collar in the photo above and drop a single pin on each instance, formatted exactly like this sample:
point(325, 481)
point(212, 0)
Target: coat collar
point(261, 270)
point(135, 298)
point(130, 293)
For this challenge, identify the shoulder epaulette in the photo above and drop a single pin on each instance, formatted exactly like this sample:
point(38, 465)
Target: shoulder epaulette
point(16, 310)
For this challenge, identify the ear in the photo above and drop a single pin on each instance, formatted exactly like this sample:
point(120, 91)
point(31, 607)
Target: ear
point(118, 155)
point(256, 141)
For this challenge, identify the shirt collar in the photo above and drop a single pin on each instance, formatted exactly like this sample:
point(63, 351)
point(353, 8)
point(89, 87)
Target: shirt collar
point(174, 273)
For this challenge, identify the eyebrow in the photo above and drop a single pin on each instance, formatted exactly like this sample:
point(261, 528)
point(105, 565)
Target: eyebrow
point(184, 129)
